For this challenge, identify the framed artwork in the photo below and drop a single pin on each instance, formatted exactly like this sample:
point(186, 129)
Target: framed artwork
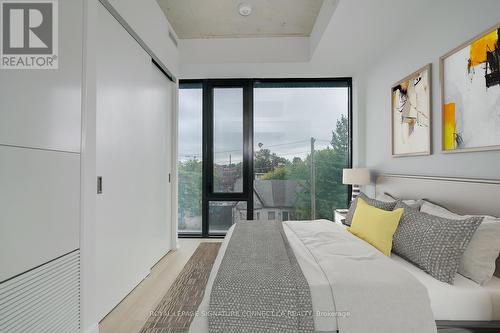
point(470, 94)
point(411, 114)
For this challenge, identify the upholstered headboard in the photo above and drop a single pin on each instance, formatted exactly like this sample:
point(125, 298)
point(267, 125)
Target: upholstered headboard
point(459, 195)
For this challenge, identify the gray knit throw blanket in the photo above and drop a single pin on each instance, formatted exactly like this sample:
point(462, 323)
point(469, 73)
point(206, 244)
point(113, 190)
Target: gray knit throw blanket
point(259, 286)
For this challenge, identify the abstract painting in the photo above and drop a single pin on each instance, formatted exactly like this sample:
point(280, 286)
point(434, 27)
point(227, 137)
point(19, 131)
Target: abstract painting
point(470, 78)
point(411, 114)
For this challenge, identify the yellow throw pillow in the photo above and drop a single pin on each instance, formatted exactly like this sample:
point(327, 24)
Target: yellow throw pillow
point(375, 226)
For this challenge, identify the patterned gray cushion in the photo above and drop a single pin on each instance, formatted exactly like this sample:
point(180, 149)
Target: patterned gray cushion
point(433, 243)
point(372, 202)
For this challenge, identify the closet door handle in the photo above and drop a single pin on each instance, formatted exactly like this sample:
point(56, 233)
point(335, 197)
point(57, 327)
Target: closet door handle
point(99, 184)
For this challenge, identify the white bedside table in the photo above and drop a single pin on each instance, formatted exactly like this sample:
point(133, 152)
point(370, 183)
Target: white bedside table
point(340, 215)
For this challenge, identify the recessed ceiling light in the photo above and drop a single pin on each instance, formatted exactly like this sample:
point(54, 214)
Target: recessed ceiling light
point(245, 9)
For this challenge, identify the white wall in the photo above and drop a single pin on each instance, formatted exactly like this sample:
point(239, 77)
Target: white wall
point(40, 154)
point(322, 21)
point(40, 151)
point(42, 108)
point(39, 207)
point(448, 24)
point(242, 50)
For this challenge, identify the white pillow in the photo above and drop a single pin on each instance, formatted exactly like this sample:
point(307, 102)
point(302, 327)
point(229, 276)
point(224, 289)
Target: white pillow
point(478, 260)
point(386, 197)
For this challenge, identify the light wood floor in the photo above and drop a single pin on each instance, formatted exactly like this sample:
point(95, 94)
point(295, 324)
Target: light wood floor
point(130, 315)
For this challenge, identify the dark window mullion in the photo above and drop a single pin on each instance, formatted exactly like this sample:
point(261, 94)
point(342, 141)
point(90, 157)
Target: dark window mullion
point(207, 155)
point(248, 145)
point(226, 197)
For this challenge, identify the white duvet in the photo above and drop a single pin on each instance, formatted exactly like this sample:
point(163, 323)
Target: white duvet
point(354, 288)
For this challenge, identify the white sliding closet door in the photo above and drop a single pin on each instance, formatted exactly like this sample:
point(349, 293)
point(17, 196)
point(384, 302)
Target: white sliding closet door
point(134, 115)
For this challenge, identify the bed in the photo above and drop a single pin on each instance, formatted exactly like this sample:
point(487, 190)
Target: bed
point(465, 300)
point(464, 304)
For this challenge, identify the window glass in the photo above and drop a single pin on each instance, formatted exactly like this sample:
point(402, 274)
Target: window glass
point(298, 130)
point(228, 140)
point(189, 159)
point(223, 214)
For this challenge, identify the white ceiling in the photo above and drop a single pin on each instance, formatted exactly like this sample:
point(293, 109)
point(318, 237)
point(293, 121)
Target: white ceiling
point(357, 34)
point(221, 19)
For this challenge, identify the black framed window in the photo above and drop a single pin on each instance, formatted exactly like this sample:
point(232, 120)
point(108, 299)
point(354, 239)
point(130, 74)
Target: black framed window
point(227, 143)
point(270, 148)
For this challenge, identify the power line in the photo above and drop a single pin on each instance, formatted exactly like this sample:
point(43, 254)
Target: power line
point(266, 146)
point(286, 143)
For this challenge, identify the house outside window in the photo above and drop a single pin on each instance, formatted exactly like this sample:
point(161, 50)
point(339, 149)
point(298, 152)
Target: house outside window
point(271, 216)
point(284, 216)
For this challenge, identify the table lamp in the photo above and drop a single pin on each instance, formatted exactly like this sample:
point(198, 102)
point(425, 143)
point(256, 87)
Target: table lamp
point(355, 177)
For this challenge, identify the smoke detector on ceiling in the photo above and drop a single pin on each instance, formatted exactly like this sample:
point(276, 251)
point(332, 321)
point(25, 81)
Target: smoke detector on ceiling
point(245, 9)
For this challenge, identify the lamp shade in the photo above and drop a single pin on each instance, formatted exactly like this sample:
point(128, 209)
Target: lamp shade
point(356, 176)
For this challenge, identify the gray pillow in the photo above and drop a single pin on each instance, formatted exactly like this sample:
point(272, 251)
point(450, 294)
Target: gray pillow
point(434, 244)
point(478, 260)
point(372, 202)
